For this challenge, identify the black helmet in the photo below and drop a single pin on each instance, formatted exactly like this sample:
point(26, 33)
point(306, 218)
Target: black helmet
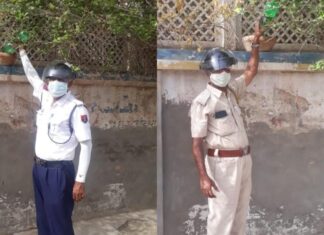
point(217, 59)
point(59, 70)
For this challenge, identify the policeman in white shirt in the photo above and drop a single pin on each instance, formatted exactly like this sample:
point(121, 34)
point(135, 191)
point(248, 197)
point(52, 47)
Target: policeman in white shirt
point(62, 124)
point(216, 121)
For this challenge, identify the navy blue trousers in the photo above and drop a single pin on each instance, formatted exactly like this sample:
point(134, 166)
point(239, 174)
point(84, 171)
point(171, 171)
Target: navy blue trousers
point(53, 185)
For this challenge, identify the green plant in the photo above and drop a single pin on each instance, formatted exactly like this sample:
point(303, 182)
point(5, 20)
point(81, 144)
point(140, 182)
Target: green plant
point(292, 14)
point(59, 24)
point(9, 48)
point(295, 12)
point(317, 66)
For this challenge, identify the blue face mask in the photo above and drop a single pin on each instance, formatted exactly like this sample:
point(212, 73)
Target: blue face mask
point(57, 88)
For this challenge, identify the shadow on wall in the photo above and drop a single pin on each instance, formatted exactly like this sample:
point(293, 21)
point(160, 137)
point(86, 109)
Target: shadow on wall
point(122, 175)
point(288, 191)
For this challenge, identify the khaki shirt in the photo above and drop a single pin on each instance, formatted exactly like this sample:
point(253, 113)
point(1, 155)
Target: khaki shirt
point(217, 118)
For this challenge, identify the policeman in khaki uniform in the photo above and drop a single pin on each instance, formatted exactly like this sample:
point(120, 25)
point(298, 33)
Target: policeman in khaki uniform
point(62, 124)
point(225, 172)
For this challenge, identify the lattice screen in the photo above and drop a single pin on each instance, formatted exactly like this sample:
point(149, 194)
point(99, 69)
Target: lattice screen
point(195, 23)
point(194, 20)
point(96, 51)
point(99, 48)
point(287, 33)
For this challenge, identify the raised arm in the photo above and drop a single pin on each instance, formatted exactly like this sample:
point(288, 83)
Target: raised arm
point(30, 71)
point(252, 67)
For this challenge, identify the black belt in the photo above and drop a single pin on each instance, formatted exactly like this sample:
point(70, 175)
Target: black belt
point(42, 162)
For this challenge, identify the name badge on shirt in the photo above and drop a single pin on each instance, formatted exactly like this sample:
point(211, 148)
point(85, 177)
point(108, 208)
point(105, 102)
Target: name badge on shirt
point(220, 114)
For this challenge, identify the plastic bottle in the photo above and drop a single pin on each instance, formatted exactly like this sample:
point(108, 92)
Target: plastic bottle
point(271, 10)
point(23, 36)
point(8, 48)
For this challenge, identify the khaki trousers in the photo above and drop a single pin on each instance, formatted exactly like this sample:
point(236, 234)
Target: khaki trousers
point(228, 211)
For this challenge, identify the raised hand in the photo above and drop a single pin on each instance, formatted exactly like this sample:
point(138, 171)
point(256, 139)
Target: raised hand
point(257, 31)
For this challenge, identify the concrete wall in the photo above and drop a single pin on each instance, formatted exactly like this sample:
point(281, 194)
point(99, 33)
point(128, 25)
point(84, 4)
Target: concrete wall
point(283, 110)
point(122, 174)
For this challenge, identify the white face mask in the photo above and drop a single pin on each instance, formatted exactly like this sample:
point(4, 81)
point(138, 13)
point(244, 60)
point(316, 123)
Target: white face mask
point(57, 88)
point(220, 79)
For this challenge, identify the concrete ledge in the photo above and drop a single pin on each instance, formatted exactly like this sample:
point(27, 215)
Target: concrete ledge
point(263, 66)
point(175, 59)
point(7, 78)
point(17, 69)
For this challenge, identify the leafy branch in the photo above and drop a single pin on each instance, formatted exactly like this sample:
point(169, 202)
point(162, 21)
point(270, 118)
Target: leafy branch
point(56, 26)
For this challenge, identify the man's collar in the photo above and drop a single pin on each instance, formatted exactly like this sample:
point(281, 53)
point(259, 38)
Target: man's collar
point(63, 99)
point(215, 90)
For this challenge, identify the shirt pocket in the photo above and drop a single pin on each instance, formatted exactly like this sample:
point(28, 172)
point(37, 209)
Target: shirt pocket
point(222, 123)
point(59, 130)
point(41, 119)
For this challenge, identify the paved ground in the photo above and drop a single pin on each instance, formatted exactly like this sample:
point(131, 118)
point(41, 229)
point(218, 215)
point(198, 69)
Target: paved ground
point(133, 223)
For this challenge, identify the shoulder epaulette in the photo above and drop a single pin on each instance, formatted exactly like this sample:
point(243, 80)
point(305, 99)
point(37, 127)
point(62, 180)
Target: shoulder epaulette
point(78, 102)
point(203, 97)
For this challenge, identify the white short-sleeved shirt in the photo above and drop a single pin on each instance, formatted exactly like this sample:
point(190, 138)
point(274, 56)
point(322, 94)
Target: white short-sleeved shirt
point(54, 140)
point(217, 118)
